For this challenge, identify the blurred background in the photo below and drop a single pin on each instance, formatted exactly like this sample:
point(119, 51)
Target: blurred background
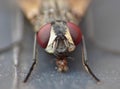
point(101, 27)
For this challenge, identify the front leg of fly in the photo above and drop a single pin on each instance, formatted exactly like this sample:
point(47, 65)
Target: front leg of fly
point(85, 61)
point(34, 60)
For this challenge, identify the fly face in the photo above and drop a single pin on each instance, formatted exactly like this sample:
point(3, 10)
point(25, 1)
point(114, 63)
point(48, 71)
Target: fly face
point(60, 41)
point(59, 37)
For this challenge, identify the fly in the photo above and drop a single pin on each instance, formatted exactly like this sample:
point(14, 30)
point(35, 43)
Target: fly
point(56, 29)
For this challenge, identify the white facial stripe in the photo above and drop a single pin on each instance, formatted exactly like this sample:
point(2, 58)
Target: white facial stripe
point(69, 38)
point(49, 47)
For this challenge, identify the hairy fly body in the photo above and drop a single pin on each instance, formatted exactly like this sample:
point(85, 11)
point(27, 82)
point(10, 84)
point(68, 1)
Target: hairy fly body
point(56, 29)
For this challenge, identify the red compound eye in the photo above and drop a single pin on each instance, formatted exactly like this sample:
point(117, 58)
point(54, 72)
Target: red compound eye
point(43, 35)
point(75, 32)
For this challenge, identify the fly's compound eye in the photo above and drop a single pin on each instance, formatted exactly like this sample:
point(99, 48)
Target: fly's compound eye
point(43, 35)
point(75, 32)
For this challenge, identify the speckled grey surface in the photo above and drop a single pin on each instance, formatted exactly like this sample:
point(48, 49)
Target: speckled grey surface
point(104, 24)
point(104, 64)
point(5, 28)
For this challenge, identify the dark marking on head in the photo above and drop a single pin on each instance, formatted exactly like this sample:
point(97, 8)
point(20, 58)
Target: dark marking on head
point(59, 27)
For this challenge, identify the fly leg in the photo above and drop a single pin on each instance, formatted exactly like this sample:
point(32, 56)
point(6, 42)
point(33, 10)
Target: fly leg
point(85, 60)
point(34, 60)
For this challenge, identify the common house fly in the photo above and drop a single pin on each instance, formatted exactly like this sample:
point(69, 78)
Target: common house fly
point(56, 29)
